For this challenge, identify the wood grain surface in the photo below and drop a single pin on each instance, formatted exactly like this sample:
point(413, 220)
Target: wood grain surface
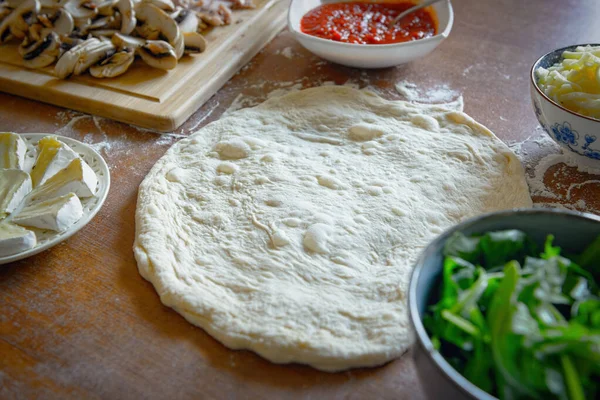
point(78, 321)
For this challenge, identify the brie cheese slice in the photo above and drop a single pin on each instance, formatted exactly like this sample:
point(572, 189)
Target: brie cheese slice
point(14, 186)
point(15, 239)
point(12, 151)
point(53, 156)
point(56, 214)
point(77, 177)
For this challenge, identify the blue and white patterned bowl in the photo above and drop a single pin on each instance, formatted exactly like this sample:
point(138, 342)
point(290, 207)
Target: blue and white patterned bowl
point(577, 134)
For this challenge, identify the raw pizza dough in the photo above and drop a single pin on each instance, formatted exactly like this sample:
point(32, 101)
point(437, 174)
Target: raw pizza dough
point(291, 228)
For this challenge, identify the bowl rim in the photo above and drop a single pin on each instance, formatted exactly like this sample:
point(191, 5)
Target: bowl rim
point(443, 366)
point(439, 37)
point(535, 66)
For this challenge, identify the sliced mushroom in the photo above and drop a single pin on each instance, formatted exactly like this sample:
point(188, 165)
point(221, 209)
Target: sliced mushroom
point(166, 5)
point(50, 4)
point(127, 42)
point(81, 9)
point(104, 33)
point(58, 21)
point(128, 20)
point(80, 24)
point(68, 42)
point(16, 24)
point(63, 24)
point(187, 21)
point(156, 24)
point(107, 8)
point(98, 23)
point(194, 42)
point(225, 14)
point(41, 53)
point(78, 59)
point(158, 54)
point(211, 19)
point(34, 34)
point(115, 65)
point(4, 12)
point(12, 3)
point(43, 20)
point(242, 4)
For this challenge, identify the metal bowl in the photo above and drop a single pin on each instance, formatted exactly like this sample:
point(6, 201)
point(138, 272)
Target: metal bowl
point(573, 231)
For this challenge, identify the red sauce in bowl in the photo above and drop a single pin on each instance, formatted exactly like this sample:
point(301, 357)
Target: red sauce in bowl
point(367, 23)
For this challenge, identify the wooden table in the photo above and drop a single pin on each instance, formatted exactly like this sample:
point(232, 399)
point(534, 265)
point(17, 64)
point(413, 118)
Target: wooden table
point(78, 321)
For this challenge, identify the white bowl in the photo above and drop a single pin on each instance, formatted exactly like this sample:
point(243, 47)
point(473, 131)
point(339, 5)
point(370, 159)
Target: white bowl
point(368, 55)
point(578, 135)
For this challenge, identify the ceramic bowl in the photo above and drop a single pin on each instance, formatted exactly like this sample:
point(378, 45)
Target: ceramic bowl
point(573, 231)
point(578, 135)
point(368, 55)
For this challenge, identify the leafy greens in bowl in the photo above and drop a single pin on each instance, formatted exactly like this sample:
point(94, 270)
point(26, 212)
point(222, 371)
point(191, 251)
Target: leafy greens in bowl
point(518, 321)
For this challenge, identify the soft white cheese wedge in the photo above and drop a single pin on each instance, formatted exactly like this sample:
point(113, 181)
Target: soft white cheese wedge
point(15, 239)
point(77, 177)
point(14, 186)
point(53, 156)
point(12, 151)
point(56, 214)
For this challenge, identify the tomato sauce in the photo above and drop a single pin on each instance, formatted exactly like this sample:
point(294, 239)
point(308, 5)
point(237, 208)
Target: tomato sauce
point(367, 23)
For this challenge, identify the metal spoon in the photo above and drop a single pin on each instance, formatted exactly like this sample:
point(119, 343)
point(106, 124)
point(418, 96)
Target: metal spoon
point(411, 10)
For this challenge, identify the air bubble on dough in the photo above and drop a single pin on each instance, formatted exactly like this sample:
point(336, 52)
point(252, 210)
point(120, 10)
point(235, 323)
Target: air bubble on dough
point(227, 168)
point(426, 122)
point(176, 175)
point(330, 182)
point(233, 149)
point(364, 132)
point(316, 238)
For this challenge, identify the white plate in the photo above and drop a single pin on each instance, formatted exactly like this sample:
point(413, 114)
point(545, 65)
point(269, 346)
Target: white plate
point(91, 206)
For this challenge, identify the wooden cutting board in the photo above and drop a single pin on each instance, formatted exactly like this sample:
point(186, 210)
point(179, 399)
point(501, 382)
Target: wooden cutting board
point(148, 97)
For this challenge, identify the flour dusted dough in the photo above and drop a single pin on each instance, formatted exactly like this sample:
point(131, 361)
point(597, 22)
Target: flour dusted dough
point(290, 228)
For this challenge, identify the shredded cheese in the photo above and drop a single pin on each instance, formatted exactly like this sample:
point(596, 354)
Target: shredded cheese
point(574, 82)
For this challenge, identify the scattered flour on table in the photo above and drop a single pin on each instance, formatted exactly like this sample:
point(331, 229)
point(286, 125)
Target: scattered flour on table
point(492, 71)
point(281, 92)
point(287, 52)
point(436, 94)
point(537, 168)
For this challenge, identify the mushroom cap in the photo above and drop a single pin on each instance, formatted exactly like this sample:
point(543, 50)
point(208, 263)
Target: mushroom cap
point(43, 52)
point(158, 24)
point(12, 3)
point(113, 66)
point(50, 3)
point(80, 9)
point(104, 33)
point(194, 42)
point(78, 59)
point(14, 24)
point(128, 19)
point(64, 24)
point(166, 5)
point(187, 21)
point(106, 8)
point(158, 54)
point(127, 42)
point(111, 22)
